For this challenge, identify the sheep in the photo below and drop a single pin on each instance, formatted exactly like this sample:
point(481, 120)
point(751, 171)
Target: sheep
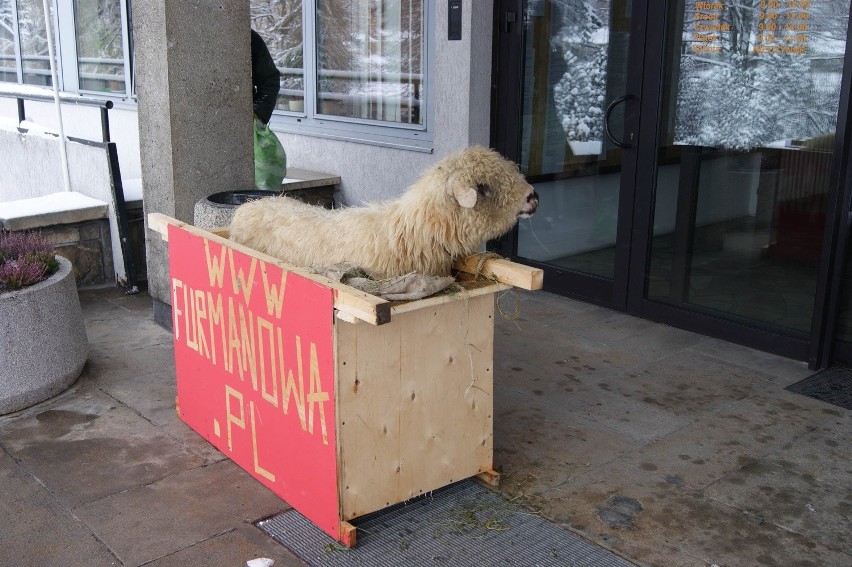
point(463, 201)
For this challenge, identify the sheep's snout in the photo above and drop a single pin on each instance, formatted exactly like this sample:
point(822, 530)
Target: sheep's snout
point(530, 205)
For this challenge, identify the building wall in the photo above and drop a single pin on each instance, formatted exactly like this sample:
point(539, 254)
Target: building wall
point(462, 91)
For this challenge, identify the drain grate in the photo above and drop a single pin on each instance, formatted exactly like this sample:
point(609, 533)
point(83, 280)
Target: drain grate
point(832, 385)
point(462, 524)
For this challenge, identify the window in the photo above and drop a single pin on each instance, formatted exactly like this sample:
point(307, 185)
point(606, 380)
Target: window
point(8, 60)
point(23, 43)
point(356, 70)
point(92, 44)
point(100, 45)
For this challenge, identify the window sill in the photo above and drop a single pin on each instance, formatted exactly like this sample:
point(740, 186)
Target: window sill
point(418, 141)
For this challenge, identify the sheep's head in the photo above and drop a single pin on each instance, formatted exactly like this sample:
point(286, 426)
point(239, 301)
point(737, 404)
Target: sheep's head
point(489, 190)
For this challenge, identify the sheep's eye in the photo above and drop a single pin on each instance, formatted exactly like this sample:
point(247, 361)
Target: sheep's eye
point(483, 190)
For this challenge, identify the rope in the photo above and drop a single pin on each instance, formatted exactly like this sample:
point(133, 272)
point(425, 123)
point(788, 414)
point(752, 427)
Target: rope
point(480, 264)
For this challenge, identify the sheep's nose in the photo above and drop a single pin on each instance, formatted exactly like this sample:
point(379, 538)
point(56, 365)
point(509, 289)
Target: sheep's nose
point(530, 206)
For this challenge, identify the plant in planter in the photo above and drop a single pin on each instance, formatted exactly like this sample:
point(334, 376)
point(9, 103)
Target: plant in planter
point(43, 343)
point(26, 258)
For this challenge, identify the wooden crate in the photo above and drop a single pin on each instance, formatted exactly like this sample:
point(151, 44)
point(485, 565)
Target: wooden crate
point(340, 402)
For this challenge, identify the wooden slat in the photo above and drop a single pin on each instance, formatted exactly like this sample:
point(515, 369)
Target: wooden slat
point(502, 270)
point(489, 477)
point(358, 304)
point(223, 231)
point(446, 394)
point(367, 414)
point(448, 297)
point(348, 534)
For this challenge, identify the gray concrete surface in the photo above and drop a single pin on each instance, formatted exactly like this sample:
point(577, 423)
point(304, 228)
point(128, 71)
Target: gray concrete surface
point(193, 80)
point(669, 448)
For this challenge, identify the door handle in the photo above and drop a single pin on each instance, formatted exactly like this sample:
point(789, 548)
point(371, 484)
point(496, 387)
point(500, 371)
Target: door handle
point(608, 113)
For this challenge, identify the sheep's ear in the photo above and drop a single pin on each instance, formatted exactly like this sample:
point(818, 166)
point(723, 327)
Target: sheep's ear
point(466, 196)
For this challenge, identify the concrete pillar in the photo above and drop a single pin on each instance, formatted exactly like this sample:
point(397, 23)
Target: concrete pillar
point(193, 82)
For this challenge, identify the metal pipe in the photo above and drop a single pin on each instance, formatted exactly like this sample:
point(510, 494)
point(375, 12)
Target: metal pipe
point(63, 151)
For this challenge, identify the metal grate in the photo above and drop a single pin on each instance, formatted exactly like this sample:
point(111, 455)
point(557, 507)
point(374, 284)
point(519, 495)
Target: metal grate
point(832, 385)
point(463, 524)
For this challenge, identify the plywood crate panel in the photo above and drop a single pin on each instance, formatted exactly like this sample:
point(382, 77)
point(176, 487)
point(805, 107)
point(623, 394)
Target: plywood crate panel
point(415, 402)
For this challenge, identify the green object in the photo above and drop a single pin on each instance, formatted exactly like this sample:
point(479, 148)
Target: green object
point(270, 161)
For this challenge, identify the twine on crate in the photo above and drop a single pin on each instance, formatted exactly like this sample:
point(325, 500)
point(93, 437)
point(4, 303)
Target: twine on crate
point(480, 264)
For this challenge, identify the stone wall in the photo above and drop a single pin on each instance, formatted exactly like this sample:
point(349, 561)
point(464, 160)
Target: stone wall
point(87, 246)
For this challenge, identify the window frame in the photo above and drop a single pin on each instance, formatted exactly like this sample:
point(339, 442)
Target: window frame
point(415, 137)
point(63, 25)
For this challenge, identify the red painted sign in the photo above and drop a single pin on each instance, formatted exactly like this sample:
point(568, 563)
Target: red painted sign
point(254, 357)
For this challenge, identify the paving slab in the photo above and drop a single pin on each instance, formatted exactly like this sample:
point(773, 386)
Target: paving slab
point(790, 500)
point(690, 384)
point(534, 454)
point(736, 436)
point(178, 512)
point(642, 516)
point(233, 548)
point(103, 447)
point(114, 336)
point(35, 530)
point(782, 370)
point(110, 303)
point(540, 306)
point(824, 453)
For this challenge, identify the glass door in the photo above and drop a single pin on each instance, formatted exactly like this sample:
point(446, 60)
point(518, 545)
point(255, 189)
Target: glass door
point(686, 156)
point(573, 140)
point(749, 108)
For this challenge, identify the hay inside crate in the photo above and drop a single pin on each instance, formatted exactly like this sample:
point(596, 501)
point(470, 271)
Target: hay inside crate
point(340, 402)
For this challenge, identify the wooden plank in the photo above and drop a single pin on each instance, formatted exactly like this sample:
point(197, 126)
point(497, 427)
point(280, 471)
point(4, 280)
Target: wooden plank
point(367, 414)
point(358, 304)
point(489, 477)
point(502, 270)
point(223, 231)
point(159, 223)
point(348, 534)
point(446, 394)
point(462, 294)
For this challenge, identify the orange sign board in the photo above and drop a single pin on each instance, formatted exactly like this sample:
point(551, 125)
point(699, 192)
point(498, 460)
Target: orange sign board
point(254, 357)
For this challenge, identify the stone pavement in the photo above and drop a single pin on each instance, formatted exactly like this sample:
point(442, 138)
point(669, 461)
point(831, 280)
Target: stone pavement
point(664, 446)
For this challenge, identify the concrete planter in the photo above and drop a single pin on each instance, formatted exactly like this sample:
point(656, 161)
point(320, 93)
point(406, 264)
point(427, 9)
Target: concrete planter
point(218, 209)
point(43, 343)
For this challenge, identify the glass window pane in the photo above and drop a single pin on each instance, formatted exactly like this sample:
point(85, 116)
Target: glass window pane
point(279, 23)
point(35, 59)
point(371, 59)
point(100, 47)
point(8, 61)
point(750, 112)
point(575, 65)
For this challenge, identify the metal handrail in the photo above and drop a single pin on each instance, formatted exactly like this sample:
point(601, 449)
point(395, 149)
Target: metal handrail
point(29, 92)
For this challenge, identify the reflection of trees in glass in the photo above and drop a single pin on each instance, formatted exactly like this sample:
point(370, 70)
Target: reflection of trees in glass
point(370, 59)
point(100, 50)
point(740, 99)
point(8, 62)
point(279, 23)
point(369, 54)
point(34, 50)
point(577, 65)
point(580, 94)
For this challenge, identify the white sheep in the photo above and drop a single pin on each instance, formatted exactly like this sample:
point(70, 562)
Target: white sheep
point(461, 202)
